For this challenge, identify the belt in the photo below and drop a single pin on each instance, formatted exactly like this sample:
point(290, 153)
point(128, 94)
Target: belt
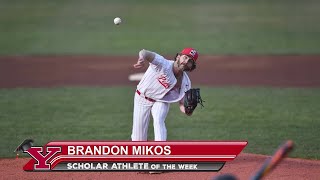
point(149, 99)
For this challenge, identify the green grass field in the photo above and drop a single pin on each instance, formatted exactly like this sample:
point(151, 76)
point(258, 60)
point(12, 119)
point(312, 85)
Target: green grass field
point(263, 116)
point(211, 26)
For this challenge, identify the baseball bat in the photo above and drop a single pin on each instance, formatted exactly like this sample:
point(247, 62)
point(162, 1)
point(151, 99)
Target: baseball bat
point(273, 161)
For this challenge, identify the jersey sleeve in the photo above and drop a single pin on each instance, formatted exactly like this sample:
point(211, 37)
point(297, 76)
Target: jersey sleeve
point(159, 62)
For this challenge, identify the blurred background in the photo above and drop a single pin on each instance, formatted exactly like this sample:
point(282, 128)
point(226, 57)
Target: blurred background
point(212, 26)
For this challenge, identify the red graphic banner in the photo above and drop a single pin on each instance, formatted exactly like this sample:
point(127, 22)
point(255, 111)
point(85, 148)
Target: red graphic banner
point(132, 155)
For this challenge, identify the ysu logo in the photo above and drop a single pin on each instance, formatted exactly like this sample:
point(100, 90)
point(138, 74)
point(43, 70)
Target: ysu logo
point(42, 160)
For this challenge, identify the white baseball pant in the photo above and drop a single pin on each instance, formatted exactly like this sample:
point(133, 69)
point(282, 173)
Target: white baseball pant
point(141, 119)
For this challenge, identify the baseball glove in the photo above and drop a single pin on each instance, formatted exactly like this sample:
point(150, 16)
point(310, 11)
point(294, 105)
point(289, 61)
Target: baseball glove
point(191, 99)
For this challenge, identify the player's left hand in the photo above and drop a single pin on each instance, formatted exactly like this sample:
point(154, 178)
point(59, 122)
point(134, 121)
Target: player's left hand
point(191, 100)
point(183, 110)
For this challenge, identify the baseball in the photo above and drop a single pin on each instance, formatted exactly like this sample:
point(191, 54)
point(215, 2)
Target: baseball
point(117, 21)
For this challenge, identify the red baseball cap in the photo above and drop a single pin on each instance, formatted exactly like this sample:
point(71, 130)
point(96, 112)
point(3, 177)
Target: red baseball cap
point(190, 52)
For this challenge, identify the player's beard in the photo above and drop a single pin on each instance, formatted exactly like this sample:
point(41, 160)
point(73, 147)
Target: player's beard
point(181, 66)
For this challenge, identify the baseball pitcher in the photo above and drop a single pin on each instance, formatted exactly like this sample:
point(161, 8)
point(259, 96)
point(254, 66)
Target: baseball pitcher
point(163, 83)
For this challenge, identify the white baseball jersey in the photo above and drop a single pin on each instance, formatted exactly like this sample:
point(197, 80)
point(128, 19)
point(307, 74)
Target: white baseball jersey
point(159, 80)
point(154, 94)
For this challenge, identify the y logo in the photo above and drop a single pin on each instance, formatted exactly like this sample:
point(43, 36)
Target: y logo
point(42, 160)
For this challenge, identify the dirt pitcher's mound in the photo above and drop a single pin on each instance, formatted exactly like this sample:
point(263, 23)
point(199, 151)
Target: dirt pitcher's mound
point(243, 167)
point(53, 71)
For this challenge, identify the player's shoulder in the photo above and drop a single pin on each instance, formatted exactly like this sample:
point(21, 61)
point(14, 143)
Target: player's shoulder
point(185, 74)
point(159, 56)
point(186, 80)
point(159, 59)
